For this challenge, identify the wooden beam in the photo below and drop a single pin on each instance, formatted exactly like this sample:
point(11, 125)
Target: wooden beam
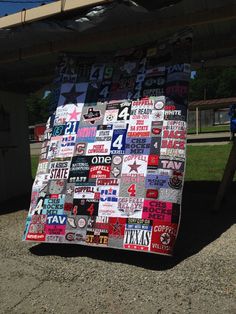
point(217, 42)
point(137, 31)
point(227, 178)
point(45, 11)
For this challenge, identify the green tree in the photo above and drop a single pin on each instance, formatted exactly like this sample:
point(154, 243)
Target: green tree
point(213, 83)
point(227, 83)
point(37, 109)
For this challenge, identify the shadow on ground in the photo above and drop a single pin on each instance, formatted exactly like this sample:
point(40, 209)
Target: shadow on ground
point(199, 227)
point(207, 140)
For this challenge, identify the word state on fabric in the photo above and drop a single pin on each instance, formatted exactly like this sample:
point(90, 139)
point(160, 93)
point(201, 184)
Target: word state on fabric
point(112, 163)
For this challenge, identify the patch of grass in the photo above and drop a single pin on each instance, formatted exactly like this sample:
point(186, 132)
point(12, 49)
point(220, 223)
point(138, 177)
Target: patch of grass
point(211, 128)
point(34, 165)
point(204, 163)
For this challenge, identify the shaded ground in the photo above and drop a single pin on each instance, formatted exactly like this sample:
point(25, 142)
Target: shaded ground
point(200, 278)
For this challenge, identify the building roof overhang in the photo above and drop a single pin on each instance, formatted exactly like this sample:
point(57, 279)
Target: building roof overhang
point(31, 40)
point(212, 103)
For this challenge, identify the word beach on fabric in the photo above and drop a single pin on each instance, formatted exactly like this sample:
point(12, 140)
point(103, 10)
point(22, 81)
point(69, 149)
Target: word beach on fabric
point(111, 168)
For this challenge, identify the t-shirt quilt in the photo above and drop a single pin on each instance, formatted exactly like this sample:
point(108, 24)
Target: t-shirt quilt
point(111, 168)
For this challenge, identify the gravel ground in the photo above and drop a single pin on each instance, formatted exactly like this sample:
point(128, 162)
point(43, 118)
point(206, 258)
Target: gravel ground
point(200, 278)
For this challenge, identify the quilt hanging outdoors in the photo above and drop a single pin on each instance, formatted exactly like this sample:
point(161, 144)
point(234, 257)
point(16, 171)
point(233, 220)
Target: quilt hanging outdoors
point(111, 168)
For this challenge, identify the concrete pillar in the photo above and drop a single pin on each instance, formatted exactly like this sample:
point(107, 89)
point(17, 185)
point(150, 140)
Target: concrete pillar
point(15, 165)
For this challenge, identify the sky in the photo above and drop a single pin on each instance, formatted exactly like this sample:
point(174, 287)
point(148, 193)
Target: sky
point(13, 6)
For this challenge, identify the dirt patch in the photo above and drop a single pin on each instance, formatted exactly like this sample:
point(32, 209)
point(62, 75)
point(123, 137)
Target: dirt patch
point(200, 278)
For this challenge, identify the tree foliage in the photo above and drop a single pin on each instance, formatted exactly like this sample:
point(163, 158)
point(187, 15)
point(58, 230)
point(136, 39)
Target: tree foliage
point(213, 83)
point(37, 109)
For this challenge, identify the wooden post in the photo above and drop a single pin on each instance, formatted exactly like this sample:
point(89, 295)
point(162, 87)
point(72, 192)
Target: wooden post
point(200, 121)
point(197, 120)
point(227, 178)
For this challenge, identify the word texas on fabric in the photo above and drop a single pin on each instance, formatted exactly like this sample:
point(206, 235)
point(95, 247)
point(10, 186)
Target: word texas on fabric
point(112, 163)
